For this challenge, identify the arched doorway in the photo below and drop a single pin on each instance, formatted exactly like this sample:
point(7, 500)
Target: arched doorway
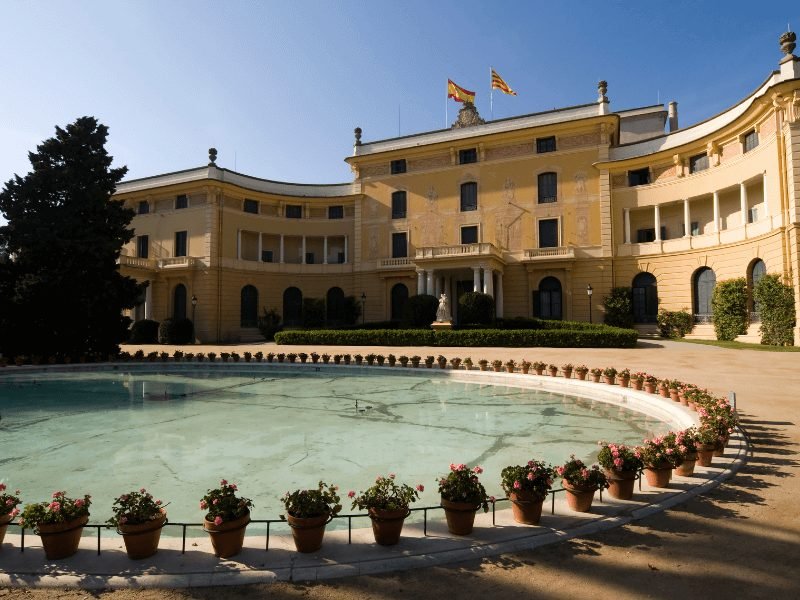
point(292, 307)
point(703, 283)
point(249, 307)
point(334, 306)
point(645, 298)
point(547, 299)
point(399, 297)
point(757, 270)
point(179, 302)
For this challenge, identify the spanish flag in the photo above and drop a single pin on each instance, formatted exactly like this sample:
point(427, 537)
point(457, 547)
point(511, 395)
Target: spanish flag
point(499, 84)
point(459, 94)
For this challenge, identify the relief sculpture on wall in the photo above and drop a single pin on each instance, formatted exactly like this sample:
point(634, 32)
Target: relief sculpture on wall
point(508, 220)
point(431, 225)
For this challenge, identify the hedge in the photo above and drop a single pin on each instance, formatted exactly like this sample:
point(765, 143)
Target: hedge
point(599, 336)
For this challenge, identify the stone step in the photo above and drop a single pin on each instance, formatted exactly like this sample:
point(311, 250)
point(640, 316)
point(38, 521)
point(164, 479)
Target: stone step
point(648, 331)
point(753, 335)
point(702, 331)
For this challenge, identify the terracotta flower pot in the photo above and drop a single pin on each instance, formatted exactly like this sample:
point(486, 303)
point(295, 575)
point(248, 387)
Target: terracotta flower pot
point(497, 369)
point(658, 477)
point(620, 484)
point(624, 381)
point(227, 538)
point(387, 525)
point(595, 378)
point(637, 384)
point(61, 540)
point(142, 540)
point(567, 373)
point(4, 521)
point(686, 468)
point(581, 375)
point(526, 507)
point(308, 532)
point(610, 379)
point(674, 396)
point(650, 388)
point(460, 516)
point(663, 392)
point(539, 371)
point(579, 498)
point(553, 372)
point(705, 454)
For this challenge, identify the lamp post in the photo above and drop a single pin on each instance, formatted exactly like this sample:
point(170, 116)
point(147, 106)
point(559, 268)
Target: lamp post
point(363, 308)
point(589, 291)
point(194, 308)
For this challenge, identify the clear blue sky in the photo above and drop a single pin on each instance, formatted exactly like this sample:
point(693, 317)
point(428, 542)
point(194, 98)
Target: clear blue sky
point(277, 87)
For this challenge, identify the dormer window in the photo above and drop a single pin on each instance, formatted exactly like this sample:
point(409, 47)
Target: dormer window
point(398, 166)
point(546, 144)
point(465, 157)
point(750, 141)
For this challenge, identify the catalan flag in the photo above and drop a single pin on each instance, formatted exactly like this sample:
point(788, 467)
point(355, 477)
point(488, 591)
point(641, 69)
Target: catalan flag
point(499, 84)
point(459, 94)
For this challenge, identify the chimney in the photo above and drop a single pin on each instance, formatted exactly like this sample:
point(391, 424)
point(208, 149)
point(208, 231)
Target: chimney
point(672, 115)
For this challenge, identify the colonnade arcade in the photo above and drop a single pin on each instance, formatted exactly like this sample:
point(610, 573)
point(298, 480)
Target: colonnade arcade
point(455, 281)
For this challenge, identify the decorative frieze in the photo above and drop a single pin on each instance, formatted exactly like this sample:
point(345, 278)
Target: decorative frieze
point(509, 151)
point(578, 141)
point(437, 161)
point(375, 170)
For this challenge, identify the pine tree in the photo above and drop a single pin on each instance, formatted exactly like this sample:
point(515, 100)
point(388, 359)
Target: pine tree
point(61, 292)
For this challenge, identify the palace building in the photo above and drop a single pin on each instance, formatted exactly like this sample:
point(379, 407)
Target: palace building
point(532, 210)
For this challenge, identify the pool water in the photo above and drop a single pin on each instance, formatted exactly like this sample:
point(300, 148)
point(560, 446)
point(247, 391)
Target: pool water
point(178, 432)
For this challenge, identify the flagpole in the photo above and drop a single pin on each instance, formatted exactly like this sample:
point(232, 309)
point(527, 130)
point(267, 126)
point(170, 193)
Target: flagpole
point(445, 106)
point(491, 95)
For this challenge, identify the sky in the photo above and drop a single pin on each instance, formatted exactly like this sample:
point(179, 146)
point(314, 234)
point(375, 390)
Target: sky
point(278, 87)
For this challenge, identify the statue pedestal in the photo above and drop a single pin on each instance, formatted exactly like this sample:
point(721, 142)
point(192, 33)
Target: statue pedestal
point(441, 325)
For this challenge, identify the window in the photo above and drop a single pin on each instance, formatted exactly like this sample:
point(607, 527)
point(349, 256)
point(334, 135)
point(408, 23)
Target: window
point(698, 163)
point(750, 141)
point(643, 236)
point(180, 243)
point(752, 214)
point(547, 299)
point(309, 258)
point(639, 177)
point(144, 207)
point(294, 211)
point(469, 196)
point(179, 302)
point(548, 233)
point(248, 314)
point(182, 201)
point(547, 144)
point(469, 234)
point(398, 205)
point(398, 166)
point(548, 190)
point(336, 212)
point(142, 246)
point(266, 256)
point(467, 156)
point(250, 206)
point(399, 245)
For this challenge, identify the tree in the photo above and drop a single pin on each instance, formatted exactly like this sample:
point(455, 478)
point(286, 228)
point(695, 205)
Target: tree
point(776, 308)
point(729, 304)
point(619, 308)
point(60, 288)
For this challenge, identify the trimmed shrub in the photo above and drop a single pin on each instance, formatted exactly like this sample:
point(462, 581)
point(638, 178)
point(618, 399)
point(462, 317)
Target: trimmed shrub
point(176, 331)
point(474, 307)
point(674, 324)
point(269, 323)
point(776, 308)
point(144, 332)
point(352, 310)
point(420, 310)
point(729, 306)
point(313, 312)
point(619, 308)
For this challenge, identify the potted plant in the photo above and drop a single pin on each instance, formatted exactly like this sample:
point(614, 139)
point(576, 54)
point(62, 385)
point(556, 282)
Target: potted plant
point(581, 482)
point(280, 356)
point(610, 375)
point(403, 360)
point(483, 364)
point(387, 504)
point(497, 365)
point(429, 362)
point(259, 356)
point(314, 357)
point(596, 373)
point(525, 366)
point(226, 518)
point(291, 356)
point(637, 380)
point(581, 371)
point(224, 356)
point(164, 356)
point(462, 495)
point(59, 522)
point(527, 487)
point(415, 361)
point(8, 508)
point(441, 361)
point(139, 354)
point(303, 356)
point(380, 359)
point(455, 362)
point(188, 357)
point(308, 512)
point(337, 358)
point(346, 358)
point(553, 370)
point(510, 365)
point(650, 383)
point(235, 356)
point(371, 359)
point(663, 388)
point(538, 366)
point(200, 356)
point(566, 370)
point(624, 377)
point(674, 386)
point(177, 356)
point(326, 358)
point(139, 519)
point(707, 439)
point(391, 359)
point(248, 356)
point(468, 363)
point(660, 455)
point(212, 356)
point(622, 466)
point(687, 446)
point(270, 357)
point(358, 358)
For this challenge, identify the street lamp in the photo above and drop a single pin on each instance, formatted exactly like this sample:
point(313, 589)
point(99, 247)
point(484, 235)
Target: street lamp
point(194, 308)
point(589, 291)
point(363, 308)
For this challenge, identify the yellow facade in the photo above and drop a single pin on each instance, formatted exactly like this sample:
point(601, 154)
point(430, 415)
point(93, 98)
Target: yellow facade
point(532, 210)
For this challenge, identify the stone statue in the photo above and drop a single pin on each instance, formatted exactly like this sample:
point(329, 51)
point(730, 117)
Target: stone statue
point(443, 312)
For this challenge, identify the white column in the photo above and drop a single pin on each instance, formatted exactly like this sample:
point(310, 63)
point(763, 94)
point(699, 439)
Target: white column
point(657, 220)
point(260, 235)
point(420, 282)
point(626, 214)
point(743, 202)
point(325, 250)
point(716, 212)
point(429, 284)
point(303, 251)
point(766, 203)
point(281, 261)
point(239, 244)
point(499, 296)
point(437, 286)
point(687, 218)
point(488, 282)
point(148, 301)
point(346, 259)
point(476, 279)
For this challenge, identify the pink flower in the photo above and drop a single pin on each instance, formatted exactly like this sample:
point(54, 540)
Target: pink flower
point(14, 512)
point(218, 520)
point(142, 491)
point(203, 504)
point(560, 470)
point(420, 488)
point(2, 487)
point(491, 499)
point(158, 502)
point(223, 482)
point(233, 487)
point(351, 494)
point(452, 466)
point(530, 476)
point(391, 475)
point(618, 462)
point(79, 502)
point(56, 494)
point(215, 501)
point(517, 485)
point(531, 463)
point(55, 506)
point(478, 470)
point(9, 502)
point(584, 473)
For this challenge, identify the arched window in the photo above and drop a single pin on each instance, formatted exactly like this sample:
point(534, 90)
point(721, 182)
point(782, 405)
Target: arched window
point(249, 307)
point(292, 306)
point(399, 299)
point(645, 298)
point(757, 270)
point(547, 299)
point(703, 283)
point(334, 306)
point(179, 302)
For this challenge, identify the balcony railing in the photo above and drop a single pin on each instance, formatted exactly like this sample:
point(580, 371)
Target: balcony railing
point(394, 263)
point(177, 262)
point(480, 249)
point(559, 252)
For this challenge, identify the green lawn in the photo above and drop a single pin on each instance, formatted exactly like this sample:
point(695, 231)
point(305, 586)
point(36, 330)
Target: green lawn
point(741, 345)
